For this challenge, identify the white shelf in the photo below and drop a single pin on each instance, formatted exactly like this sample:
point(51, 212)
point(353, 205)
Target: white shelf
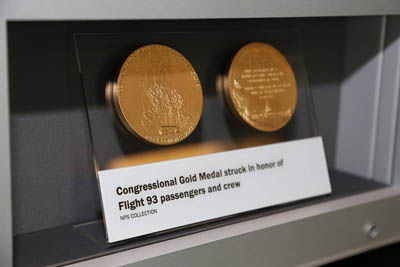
point(308, 236)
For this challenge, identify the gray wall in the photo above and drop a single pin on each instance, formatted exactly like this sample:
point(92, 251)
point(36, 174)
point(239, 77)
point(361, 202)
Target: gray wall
point(369, 98)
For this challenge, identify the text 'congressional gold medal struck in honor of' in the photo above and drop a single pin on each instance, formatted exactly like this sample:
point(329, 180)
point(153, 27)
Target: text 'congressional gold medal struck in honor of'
point(157, 95)
point(260, 87)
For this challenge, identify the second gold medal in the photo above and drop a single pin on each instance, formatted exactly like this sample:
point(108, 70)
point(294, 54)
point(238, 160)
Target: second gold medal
point(260, 87)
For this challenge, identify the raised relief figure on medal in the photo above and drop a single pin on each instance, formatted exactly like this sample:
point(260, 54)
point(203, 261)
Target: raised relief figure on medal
point(157, 95)
point(260, 87)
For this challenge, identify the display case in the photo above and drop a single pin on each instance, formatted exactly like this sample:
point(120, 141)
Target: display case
point(62, 132)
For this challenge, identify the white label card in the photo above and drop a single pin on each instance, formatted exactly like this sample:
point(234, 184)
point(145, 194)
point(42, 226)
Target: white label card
point(154, 197)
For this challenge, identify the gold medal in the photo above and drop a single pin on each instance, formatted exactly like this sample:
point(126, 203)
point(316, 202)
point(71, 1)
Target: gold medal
point(157, 95)
point(260, 87)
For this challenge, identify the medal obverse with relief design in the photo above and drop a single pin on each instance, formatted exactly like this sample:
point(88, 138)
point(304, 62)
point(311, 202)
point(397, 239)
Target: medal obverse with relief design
point(157, 95)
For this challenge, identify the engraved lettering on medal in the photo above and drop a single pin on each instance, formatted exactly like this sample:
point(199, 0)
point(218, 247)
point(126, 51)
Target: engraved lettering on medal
point(262, 87)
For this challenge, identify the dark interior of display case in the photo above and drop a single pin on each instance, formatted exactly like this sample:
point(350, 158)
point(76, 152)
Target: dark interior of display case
point(56, 205)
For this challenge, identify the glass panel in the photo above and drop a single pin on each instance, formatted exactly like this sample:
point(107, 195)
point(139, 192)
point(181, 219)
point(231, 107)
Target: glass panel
point(100, 57)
